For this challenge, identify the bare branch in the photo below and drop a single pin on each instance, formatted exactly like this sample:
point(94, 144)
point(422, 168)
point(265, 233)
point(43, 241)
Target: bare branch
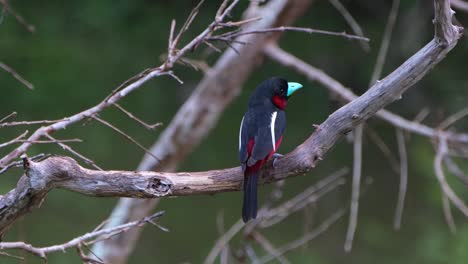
point(229, 36)
point(351, 22)
point(19, 164)
point(446, 208)
point(15, 74)
point(307, 237)
point(357, 171)
point(453, 119)
point(102, 121)
point(455, 170)
point(18, 17)
point(29, 123)
point(403, 179)
point(15, 140)
point(74, 152)
point(385, 42)
point(12, 114)
point(223, 240)
point(11, 255)
point(310, 195)
point(42, 252)
point(442, 150)
point(266, 244)
point(141, 122)
point(185, 26)
point(380, 143)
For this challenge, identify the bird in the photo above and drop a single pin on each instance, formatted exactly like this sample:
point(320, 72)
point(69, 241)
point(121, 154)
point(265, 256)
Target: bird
point(261, 133)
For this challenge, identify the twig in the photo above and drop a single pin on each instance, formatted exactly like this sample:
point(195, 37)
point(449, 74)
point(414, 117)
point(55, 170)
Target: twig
point(250, 252)
point(94, 256)
point(185, 26)
point(357, 165)
point(403, 179)
point(11, 255)
point(383, 147)
point(455, 170)
point(385, 42)
point(15, 140)
point(18, 164)
point(224, 255)
point(42, 252)
point(307, 237)
point(28, 123)
point(51, 141)
point(174, 76)
point(351, 22)
point(74, 152)
point(442, 149)
point(18, 17)
point(421, 115)
point(453, 119)
point(12, 114)
point(446, 208)
point(129, 114)
point(15, 74)
point(102, 121)
point(310, 195)
point(262, 241)
point(229, 36)
point(170, 46)
point(223, 240)
point(85, 258)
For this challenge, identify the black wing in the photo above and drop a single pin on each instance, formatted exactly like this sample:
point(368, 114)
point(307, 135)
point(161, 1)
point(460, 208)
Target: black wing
point(270, 130)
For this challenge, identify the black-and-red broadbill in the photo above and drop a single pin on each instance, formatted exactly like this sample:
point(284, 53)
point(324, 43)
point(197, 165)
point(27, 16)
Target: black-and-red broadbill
point(261, 132)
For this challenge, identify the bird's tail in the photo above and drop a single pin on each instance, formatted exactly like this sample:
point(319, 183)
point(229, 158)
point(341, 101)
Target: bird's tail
point(249, 208)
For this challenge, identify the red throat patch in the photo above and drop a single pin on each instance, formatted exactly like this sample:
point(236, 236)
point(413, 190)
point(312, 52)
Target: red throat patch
point(280, 102)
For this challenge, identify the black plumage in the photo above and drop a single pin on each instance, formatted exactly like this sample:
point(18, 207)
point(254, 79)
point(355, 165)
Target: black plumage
point(261, 133)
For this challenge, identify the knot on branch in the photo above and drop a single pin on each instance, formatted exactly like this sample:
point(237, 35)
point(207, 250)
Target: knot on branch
point(161, 187)
point(446, 33)
point(42, 174)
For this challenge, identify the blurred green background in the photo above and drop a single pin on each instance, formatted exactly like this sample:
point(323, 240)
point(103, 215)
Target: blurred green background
point(84, 49)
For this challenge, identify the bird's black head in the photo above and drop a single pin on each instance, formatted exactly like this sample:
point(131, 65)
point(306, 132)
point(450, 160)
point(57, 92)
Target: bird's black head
point(275, 90)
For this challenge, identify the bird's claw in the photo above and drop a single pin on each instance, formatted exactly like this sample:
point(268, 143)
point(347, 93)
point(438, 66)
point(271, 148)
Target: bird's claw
point(275, 157)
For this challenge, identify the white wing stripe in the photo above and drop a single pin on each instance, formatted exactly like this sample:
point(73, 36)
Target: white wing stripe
point(272, 128)
point(240, 133)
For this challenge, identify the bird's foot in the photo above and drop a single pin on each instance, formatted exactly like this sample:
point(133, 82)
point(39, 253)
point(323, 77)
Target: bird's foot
point(275, 157)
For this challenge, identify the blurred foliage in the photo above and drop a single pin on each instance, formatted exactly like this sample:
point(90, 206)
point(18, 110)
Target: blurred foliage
point(84, 49)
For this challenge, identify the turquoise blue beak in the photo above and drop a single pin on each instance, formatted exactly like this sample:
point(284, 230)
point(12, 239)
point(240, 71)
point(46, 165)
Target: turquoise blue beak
point(292, 87)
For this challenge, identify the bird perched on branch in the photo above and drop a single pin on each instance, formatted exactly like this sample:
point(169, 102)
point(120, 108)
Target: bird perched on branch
point(261, 132)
